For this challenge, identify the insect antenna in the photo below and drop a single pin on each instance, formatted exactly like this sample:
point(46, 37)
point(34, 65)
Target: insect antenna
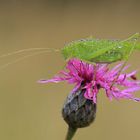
point(27, 50)
point(45, 50)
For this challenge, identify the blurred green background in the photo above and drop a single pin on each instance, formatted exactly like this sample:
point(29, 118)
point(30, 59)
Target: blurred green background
point(31, 111)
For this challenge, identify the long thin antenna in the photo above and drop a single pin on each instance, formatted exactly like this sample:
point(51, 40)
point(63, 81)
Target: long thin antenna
point(27, 50)
point(22, 58)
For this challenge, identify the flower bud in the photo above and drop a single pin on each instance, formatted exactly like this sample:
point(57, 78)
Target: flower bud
point(78, 111)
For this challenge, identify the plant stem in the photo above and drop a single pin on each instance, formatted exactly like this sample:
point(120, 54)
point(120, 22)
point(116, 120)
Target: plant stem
point(70, 133)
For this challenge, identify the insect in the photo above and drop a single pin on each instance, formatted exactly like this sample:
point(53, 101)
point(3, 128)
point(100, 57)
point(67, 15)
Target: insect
point(90, 50)
point(101, 51)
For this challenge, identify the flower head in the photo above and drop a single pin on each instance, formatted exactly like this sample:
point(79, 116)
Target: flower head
point(94, 77)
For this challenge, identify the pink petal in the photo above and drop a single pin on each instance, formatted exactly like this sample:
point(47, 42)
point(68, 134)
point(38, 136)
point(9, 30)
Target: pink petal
point(132, 73)
point(133, 89)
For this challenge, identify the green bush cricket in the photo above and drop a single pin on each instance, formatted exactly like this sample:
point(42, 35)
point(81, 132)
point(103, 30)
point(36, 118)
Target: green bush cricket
point(101, 51)
point(90, 50)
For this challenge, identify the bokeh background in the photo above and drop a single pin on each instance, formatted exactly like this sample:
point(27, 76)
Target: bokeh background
point(31, 111)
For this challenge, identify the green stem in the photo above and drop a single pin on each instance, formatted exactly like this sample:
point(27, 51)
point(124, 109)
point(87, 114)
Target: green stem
point(70, 133)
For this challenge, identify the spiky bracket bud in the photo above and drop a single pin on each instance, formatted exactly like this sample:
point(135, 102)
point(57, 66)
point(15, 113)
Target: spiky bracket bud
point(78, 111)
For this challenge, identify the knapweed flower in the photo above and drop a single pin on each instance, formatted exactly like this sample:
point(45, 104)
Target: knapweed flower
point(79, 109)
point(91, 78)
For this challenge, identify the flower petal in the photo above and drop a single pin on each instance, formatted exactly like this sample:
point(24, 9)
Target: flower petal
point(93, 77)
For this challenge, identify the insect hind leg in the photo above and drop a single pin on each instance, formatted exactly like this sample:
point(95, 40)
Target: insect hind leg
point(126, 60)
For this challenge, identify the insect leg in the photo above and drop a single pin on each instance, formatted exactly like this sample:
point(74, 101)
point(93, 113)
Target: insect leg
point(123, 66)
point(100, 52)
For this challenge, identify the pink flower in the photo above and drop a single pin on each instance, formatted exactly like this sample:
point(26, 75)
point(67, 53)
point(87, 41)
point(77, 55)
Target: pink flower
point(92, 78)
